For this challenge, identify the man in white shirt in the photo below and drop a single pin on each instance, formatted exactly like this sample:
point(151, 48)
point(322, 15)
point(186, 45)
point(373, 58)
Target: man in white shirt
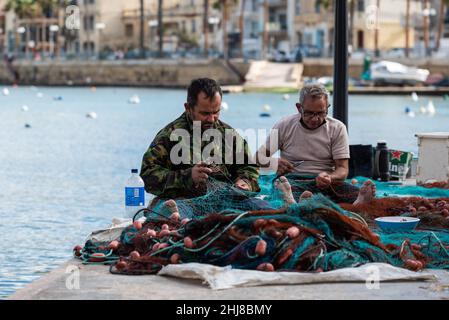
point(313, 143)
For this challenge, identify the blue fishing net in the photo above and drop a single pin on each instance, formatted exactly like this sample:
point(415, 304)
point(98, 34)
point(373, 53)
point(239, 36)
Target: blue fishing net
point(228, 226)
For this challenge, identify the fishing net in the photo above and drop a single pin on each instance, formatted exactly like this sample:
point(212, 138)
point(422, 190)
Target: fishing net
point(229, 226)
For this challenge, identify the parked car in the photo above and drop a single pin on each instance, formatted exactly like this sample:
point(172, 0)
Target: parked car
point(395, 53)
point(296, 55)
point(278, 56)
point(388, 72)
point(310, 51)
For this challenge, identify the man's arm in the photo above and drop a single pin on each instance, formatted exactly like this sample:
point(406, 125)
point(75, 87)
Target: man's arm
point(341, 170)
point(247, 172)
point(325, 179)
point(159, 179)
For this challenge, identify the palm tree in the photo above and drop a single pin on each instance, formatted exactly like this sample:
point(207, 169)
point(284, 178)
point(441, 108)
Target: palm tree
point(32, 9)
point(23, 8)
point(376, 32)
point(426, 27)
point(160, 27)
point(265, 29)
point(326, 4)
point(351, 22)
point(206, 28)
point(142, 29)
point(242, 25)
point(224, 5)
point(224, 10)
point(443, 8)
point(407, 29)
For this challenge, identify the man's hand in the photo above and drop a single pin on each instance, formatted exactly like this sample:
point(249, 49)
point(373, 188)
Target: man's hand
point(242, 184)
point(323, 180)
point(200, 173)
point(284, 166)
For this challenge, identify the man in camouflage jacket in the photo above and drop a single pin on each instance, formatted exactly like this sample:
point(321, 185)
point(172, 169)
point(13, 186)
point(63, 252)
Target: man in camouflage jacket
point(169, 173)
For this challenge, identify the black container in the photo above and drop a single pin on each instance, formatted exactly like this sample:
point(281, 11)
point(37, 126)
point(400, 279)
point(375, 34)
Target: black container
point(381, 162)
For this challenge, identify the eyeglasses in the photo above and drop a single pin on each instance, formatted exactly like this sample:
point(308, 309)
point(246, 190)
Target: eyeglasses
point(310, 114)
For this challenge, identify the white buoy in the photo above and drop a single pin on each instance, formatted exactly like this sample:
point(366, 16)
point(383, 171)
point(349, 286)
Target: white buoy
point(286, 96)
point(134, 99)
point(224, 106)
point(5, 91)
point(431, 107)
point(415, 97)
point(266, 107)
point(411, 114)
point(25, 108)
point(91, 115)
point(40, 95)
point(422, 110)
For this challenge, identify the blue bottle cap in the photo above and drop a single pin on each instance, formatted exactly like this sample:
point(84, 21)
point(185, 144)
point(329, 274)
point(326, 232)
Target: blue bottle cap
point(134, 171)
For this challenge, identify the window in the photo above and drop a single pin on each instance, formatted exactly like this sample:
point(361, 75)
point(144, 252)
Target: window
point(193, 26)
point(317, 6)
point(361, 5)
point(297, 7)
point(89, 22)
point(129, 30)
point(283, 21)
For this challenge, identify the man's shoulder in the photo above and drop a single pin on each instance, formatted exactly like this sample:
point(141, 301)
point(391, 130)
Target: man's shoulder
point(179, 123)
point(288, 121)
point(224, 125)
point(335, 123)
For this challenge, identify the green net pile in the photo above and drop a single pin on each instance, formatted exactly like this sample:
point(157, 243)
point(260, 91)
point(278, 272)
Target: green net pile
point(232, 227)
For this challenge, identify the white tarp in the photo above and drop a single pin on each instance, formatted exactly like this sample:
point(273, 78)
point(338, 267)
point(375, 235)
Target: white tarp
point(219, 278)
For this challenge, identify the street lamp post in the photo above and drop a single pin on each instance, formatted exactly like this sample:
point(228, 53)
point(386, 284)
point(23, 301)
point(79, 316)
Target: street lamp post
point(341, 62)
point(100, 26)
point(53, 29)
point(21, 30)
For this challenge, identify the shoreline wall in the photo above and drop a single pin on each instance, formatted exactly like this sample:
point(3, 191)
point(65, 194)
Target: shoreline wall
point(165, 73)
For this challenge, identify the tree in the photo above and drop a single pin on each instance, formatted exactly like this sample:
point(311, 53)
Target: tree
point(426, 26)
point(142, 29)
point(223, 5)
point(24, 8)
point(326, 4)
point(160, 27)
point(407, 29)
point(33, 8)
point(265, 29)
point(242, 25)
point(351, 22)
point(443, 7)
point(206, 28)
point(376, 31)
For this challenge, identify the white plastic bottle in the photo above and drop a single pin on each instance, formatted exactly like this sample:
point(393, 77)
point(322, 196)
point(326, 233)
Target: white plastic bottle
point(134, 194)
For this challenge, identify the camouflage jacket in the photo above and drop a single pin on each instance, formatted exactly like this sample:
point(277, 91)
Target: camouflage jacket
point(168, 179)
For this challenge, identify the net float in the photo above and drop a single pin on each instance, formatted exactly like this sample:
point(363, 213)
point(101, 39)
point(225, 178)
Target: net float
point(134, 255)
point(261, 248)
point(97, 257)
point(137, 224)
point(114, 245)
point(265, 267)
point(188, 243)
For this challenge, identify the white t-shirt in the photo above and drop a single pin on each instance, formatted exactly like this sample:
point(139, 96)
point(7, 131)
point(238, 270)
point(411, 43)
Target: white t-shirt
point(318, 148)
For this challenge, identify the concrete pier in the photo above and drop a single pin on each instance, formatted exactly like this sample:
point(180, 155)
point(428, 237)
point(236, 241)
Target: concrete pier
point(96, 282)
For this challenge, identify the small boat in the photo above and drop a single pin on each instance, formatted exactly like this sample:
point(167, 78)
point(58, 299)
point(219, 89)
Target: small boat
point(388, 72)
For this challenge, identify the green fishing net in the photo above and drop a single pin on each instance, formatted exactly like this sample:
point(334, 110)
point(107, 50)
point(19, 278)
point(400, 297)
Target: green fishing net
point(229, 226)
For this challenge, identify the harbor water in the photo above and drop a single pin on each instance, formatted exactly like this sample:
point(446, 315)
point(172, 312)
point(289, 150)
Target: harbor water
point(65, 155)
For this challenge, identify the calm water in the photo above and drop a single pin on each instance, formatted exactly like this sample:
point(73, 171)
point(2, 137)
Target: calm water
point(64, 177)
